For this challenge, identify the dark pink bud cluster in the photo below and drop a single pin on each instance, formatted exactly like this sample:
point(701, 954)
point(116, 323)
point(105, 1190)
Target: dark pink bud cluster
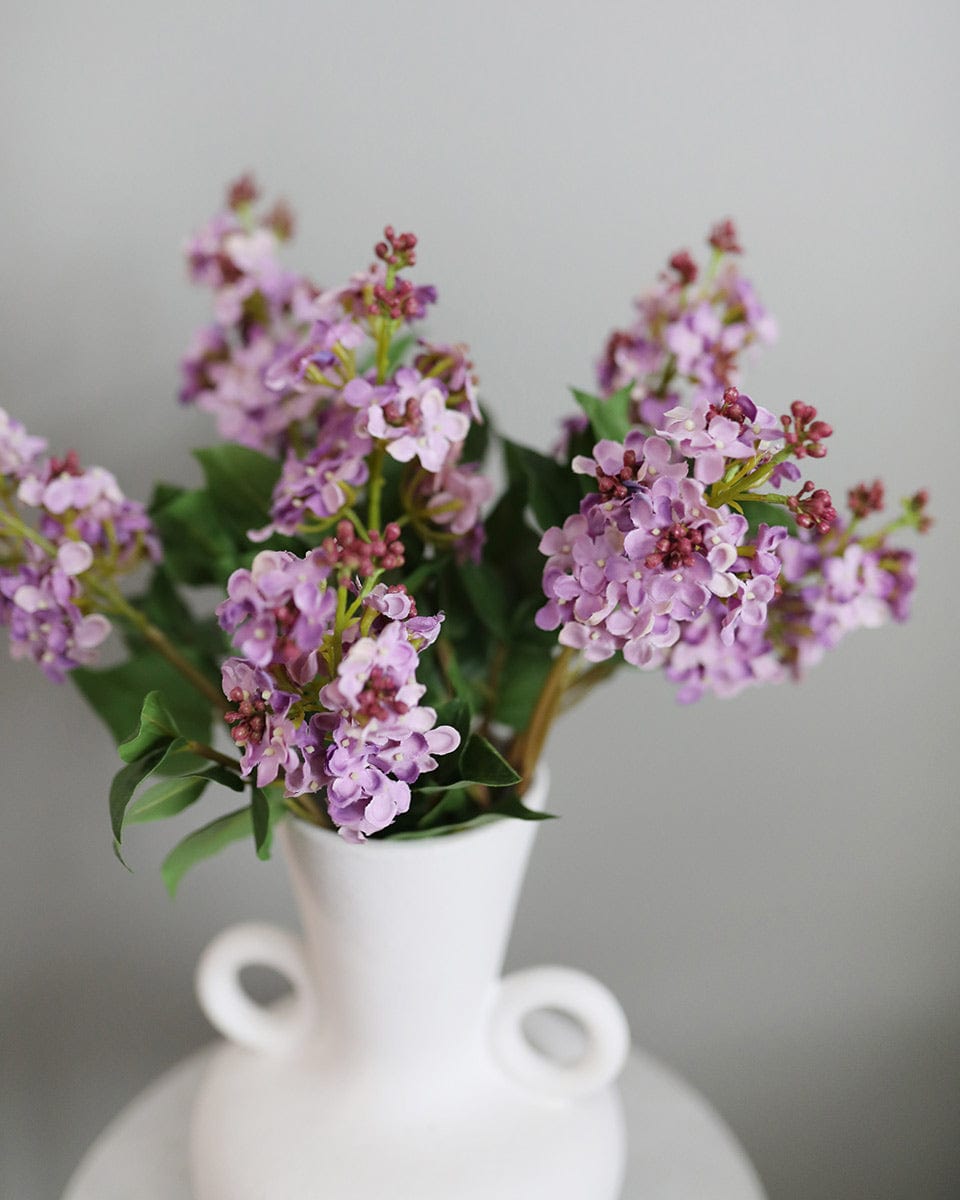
point(682, 262)
point(378, 700)
point(247, 722)
point(915, 506)
point(68, 465)
point(813, 509)
point(618, 486)
point(354, 556)
point(399, 250)
point(803, 433)
point(733, 408)
point(863, 499)
point(281, 220)
point(242, 192)
point(397, 302)
point(676, 548)
point(723, 237)
point(403, 414)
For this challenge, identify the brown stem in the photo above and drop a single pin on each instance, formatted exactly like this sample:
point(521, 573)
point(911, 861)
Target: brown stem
point(307, 809)
point(206, 751)
point(526, 750)
point(186, 668)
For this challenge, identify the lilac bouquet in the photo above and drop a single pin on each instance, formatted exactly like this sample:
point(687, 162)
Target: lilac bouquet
point(395, 639)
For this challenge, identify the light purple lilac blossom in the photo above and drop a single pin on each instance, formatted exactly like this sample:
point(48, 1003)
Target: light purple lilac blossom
point(40, 603)
point(691, 332)
point(626, 571)
point(353, 728)
point(59, 522)
point(20, 451)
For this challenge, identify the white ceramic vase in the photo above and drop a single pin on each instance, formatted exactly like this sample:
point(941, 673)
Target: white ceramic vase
point(399, 1067)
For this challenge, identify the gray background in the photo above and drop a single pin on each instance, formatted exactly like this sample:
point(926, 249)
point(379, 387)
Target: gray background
point(770, 885)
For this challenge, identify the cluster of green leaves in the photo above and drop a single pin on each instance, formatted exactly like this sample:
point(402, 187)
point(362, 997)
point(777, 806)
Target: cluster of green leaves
point(159, 746)
point(458, 794)
point(203, 535)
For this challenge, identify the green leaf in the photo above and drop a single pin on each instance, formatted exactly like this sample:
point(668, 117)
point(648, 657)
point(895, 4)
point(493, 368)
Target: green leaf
point(163, 494)
point(526, 666)
point(240, 484)
point(478, 439)
point(204, 843)
point(760, 512)
point(222, 775)
point(609, 418)
point(513, 806)
point(481, 763)
point(116, 693)
point(512, 547)
point(457, 713)
point(157, 728)
point(163, 606)
point(165, 799)
point(410, 835)
point(186, 785)
point(454, 807)
point(477, 765)
point(260, 811)
point(197, 547)
point(126, 782)
point(554, 492)
point(485, 591)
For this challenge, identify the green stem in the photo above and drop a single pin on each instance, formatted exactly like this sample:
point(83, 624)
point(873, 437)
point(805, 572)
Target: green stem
point(375, 489)
point(340, 623)
point(669, 370)
point(14, 523)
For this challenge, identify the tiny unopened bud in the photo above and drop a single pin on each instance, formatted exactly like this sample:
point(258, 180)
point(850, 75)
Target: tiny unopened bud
point(723, 237)
point(242, 191)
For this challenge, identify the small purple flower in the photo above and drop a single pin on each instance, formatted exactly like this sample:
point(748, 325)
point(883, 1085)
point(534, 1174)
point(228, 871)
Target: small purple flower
point(20, 451)
point(41, 607)
point(320, 484)
point(416, 422)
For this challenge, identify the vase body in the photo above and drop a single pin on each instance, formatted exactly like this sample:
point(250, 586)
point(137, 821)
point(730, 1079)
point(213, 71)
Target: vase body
point(399, 1067)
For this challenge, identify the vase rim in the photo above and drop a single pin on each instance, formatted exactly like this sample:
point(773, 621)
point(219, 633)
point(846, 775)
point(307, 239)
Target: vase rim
point(535, 798)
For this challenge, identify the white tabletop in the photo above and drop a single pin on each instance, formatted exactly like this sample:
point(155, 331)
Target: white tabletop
point(679, 1147)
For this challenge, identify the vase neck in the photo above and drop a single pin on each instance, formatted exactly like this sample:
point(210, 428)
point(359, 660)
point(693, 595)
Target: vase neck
point(405, 939)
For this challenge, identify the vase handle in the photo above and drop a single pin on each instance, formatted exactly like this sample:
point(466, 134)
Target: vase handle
point(228, 1006)
point(585, 999)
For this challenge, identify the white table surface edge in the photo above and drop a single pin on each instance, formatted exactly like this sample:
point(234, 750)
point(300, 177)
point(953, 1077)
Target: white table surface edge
point(679, 1148)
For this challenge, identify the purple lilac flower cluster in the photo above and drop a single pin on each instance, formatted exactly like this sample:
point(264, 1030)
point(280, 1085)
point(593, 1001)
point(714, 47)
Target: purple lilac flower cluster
point(325, 693)
point(302, 372)
point(65, 534)
point(697, 546)
point(647, 554)
point(661, 563)
point(689, 333)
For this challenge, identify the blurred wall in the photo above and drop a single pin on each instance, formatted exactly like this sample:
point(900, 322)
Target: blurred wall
point(770, 885)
